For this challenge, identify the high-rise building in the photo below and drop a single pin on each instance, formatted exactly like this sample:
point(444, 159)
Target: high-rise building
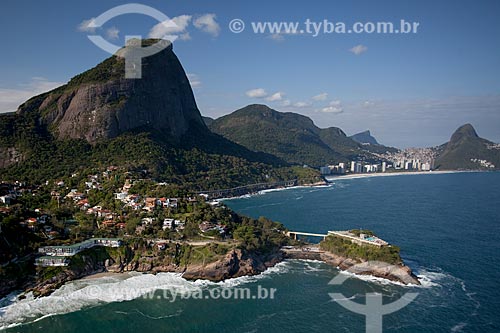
point(325, 170)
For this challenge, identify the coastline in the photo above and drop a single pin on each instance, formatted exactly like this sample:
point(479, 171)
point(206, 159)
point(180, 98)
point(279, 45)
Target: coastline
point(234, 264)
point(397, 273)
point(330, 179)
point(277, 189)
point(235, 268)
point(390, 174)
point(229, 267)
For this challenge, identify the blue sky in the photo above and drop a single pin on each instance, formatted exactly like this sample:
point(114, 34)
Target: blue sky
point(409, 90)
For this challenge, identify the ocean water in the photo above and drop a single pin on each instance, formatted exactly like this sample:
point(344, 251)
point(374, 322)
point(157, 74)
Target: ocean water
point(447, 225)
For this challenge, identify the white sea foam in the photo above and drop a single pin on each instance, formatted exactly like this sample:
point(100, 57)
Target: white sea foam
point(427, 279)
point(263, 192)
point(79, 294)
point(430, 279)
point(282, 189)
point(458, 327)
point(313, 266)
point(85, 293)
point(374, 279)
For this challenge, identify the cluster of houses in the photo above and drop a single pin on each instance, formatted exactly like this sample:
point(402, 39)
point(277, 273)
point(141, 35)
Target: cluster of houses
point(168, 223)
point(10, 192)
point(148, 204)
point(33, 222)
point(173, 224)
point(136, 202)
point(483, 163)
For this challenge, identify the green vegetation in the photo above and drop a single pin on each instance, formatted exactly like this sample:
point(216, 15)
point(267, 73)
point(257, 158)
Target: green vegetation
point(358, 232)
point(262, 235)
point(344, 247)
point(18, 243)
point(203, 254)
point(190, 168)
point(113, 68)
point(212, 164)
point(292, 137)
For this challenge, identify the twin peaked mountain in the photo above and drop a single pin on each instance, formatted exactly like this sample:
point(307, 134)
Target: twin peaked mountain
point(100, 118)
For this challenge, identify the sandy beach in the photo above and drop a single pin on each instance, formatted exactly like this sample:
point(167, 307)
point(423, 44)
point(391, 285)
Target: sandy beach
point(387, 174)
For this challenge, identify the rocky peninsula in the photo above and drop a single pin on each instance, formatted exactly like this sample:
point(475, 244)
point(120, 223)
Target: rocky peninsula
point(234, 263)
point(393, 272)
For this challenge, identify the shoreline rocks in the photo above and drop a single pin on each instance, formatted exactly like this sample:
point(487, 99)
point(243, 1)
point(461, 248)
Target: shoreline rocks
point(396, 273)
point(235, 263)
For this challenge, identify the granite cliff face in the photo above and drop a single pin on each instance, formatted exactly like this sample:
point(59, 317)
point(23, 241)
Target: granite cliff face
point(101, 104)
point(235, 263)
point(364, 138)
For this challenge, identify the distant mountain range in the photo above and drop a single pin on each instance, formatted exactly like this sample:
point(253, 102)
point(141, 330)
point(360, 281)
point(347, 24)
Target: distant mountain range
point(290, 136)
point(99, 118)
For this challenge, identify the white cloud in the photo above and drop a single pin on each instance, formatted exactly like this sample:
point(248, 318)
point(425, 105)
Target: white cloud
point(87, 25)
point(358, 49)
point(207, 23)
point(301, 104)
point(10, 99)
point(320, 97)
point(332, 109)
point(256, 93)
point(113, 33)
point(194, 80)
point(334, 106)
point(277, 96)
point(174, 27)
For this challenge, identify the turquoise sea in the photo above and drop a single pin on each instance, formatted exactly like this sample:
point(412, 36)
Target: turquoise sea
point(447, 225)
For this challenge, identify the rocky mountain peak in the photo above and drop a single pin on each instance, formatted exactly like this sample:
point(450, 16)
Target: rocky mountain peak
point(101, 103)
point(464, 131)
point(365, 138)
